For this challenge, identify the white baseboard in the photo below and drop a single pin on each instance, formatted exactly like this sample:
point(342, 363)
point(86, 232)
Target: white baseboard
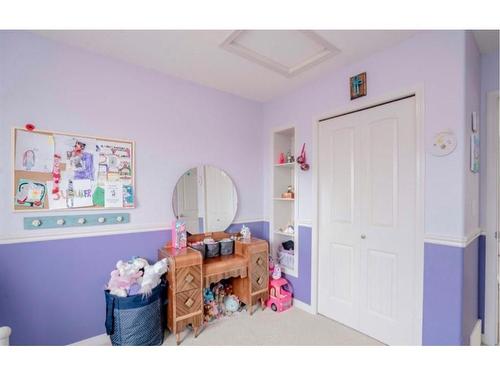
point(303, 306)
point(475, 336)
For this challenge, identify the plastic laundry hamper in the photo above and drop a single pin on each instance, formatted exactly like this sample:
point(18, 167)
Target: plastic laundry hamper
point(136, 320)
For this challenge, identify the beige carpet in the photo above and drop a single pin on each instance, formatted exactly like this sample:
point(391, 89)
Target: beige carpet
point(292, 327)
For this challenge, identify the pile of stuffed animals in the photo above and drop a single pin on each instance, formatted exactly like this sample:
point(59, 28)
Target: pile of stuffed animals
point(136, 276)
point(219, 301)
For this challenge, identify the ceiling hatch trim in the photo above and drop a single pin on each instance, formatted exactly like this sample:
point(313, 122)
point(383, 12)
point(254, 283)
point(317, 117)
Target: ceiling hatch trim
point(326, 51)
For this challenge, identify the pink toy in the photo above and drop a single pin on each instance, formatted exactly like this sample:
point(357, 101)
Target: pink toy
point(280, 296)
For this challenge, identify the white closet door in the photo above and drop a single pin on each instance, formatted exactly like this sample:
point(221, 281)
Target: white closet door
point(367, 220)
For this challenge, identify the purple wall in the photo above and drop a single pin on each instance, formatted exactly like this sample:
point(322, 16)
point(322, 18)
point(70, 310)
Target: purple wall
point(259, 229)
point(302, 284)
point(443, 283)
point(61, 301)
point(451, 293)
point(52, 292)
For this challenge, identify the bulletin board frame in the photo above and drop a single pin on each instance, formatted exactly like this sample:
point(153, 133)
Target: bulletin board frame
point(18, 174)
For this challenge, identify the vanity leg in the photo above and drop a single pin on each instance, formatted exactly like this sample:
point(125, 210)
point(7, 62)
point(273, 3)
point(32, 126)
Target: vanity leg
point(178, 338)
point(196, 331)
point(251, 309)
point(262, 304)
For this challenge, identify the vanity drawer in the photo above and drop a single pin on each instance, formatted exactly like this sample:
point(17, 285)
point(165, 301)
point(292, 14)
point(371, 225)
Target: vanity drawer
point(259, 272)
point(188, 278)
point(188, 302)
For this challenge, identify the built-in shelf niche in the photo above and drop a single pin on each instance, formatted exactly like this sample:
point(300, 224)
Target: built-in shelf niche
point(284, 210)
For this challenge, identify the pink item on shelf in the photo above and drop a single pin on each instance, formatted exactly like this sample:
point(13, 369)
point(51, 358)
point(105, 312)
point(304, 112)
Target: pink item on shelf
point(282, 158)
point(179, 234)
point(280, 295)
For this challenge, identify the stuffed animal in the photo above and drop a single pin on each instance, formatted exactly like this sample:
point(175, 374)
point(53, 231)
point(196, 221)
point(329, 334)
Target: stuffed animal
point(231, 304)
point(210, 311)
point(152, 276)
point(119, 285)
point(276, 272)
point(208, 295)
point(132, 266)
point(245, 232)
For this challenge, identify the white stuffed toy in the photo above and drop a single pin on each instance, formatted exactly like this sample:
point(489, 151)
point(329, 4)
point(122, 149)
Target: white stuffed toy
point(131, 267)
point(152, 275)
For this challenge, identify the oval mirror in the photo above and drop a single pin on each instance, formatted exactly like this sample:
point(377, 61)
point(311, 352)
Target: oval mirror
point(205, 198)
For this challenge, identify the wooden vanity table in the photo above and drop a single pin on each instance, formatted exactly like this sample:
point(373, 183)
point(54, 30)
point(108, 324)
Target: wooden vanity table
point(189, 273)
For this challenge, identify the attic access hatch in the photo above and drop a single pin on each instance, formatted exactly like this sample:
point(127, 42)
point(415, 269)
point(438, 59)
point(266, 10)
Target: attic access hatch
point(288, 52)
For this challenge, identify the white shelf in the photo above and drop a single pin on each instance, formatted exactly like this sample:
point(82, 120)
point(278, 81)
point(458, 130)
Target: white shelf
point(284, 175)
point(289, 165)
point(284, 234)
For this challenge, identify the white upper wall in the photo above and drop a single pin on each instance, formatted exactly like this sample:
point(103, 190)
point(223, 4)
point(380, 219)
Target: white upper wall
point(433, 61)
point(472, 98)
point(175, 124)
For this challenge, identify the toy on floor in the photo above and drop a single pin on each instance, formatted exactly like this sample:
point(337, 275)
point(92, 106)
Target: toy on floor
point(208, 295)
point(231, 304)
point(280, 295)
point(219, 301)
point(210, 311)
point(280, 290)
point(136, 276)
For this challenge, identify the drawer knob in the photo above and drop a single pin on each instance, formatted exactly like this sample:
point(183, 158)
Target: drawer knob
point(189, 278)
point(260, 261)
point(260, 280)
point(189, 302)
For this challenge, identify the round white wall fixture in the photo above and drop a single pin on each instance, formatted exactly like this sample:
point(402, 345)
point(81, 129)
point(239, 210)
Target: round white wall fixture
point(443, 143)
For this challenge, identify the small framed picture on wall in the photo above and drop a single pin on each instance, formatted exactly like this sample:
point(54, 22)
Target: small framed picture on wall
point(358, 85)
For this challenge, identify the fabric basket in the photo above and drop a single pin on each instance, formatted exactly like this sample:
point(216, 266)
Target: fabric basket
point(213, 250)
point(136, 320)
point(226, 247)
point(201, 249)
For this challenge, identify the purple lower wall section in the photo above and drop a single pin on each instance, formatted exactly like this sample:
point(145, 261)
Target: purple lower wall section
point(481, 277)
point(302, 284)
point(443, 283)
point(52, 292)
point(451, 293)
point(259, 229)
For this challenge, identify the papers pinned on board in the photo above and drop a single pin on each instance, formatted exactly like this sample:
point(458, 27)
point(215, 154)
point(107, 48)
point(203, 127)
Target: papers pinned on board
point(58, 171)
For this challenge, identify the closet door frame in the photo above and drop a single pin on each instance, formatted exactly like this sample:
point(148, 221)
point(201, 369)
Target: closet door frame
point(360, 104)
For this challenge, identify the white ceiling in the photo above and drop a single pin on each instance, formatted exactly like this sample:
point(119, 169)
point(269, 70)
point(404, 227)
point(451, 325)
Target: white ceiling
point(198, 56)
